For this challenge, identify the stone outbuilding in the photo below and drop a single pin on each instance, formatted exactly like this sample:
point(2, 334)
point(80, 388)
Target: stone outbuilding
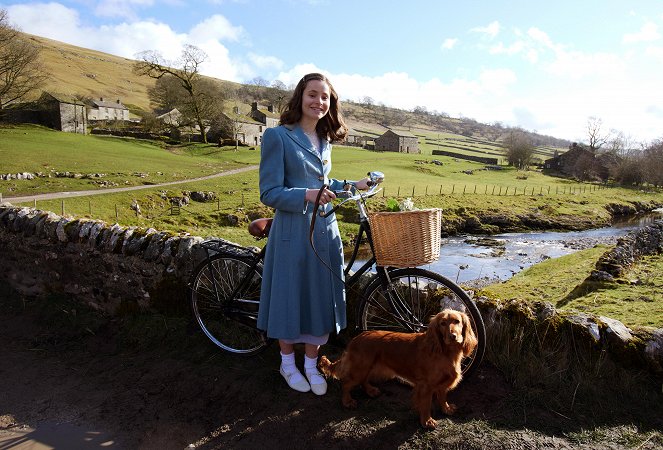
point(63, 112)
point(397, 141)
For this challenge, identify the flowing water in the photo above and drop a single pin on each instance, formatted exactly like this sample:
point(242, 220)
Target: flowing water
point(499, 257)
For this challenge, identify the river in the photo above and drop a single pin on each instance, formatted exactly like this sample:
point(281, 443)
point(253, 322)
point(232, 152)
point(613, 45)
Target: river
point(481, 259)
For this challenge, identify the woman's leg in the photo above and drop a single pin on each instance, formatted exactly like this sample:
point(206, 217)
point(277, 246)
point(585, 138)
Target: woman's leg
point(315, 378)
point(289, 370)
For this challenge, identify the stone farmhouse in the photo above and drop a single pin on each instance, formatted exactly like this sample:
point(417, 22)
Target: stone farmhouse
point(249, 128)
point(107, 110)
point(580, 162)
point(397, 141)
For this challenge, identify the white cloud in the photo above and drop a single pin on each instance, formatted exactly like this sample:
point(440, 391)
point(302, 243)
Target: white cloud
point(449, 43)
point(491, 30)
point(648, 33)
point(39, 19)
point(265, 62)
point(217, 28)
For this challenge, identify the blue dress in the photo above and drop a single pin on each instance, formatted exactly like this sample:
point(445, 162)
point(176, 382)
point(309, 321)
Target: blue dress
point(299, 295)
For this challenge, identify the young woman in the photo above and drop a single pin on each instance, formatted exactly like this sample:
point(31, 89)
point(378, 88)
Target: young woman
point(302, 301)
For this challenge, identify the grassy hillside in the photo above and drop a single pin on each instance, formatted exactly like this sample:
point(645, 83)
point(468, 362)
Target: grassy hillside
point(79, 71)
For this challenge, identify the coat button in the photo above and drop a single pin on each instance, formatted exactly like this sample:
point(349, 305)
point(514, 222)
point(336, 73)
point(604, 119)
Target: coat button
point(321, 178)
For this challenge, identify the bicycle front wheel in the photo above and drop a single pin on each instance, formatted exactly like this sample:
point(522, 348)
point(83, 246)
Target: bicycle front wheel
point(224, 295)
point(411, 298)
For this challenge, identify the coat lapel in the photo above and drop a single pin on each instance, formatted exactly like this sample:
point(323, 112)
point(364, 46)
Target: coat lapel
point(296, 133)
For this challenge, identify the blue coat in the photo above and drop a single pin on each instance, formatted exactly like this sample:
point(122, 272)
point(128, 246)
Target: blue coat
point(299, 293)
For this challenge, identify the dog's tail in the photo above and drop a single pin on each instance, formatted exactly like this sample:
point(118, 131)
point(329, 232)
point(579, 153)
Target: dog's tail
point(331, 369)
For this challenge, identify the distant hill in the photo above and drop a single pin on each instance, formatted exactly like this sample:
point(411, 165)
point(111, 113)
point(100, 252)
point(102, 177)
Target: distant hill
point(79, 71)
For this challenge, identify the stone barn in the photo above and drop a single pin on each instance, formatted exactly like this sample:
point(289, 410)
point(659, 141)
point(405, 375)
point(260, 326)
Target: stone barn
point(63, 113)
point(397, 141)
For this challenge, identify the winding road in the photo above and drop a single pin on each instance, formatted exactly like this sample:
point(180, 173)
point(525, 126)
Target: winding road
point(56, 195)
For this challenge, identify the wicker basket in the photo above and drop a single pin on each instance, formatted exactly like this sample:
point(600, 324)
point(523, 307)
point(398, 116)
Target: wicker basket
point(406, 238)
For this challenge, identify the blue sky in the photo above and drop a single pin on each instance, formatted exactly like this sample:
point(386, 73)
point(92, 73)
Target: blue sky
point(544, 66)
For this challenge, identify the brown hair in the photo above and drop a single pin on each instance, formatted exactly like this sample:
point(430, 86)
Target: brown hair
point(332, 126)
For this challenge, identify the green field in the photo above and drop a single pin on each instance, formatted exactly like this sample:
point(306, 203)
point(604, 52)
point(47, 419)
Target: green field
point(462, 189)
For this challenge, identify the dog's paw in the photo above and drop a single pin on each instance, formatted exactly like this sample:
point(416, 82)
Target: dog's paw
point(372, 391)
point(350, 403)
point(429, 423)
point(449, 408)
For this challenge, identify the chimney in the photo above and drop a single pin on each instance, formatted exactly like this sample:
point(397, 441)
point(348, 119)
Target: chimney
point(270, 108)
point(254, 106)
point(118, 101)
point(101, 99)
point(236, 109)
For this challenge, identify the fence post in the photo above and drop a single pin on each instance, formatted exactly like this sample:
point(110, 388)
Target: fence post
point(440, 189)
point(493, 189)
point(412, 191)
point(35, 203)
point(475, 188)
point(62, 207)
point(426, 193)
point(398, 192)
point(453, 188)
point(116, 215)
point(464, 187)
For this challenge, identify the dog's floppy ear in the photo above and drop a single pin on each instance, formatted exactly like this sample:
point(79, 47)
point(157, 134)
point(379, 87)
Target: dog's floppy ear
point(434, 336)
point(469, 339)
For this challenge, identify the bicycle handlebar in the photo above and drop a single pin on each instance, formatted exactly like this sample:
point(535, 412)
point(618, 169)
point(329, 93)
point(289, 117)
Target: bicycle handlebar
point(375, 178)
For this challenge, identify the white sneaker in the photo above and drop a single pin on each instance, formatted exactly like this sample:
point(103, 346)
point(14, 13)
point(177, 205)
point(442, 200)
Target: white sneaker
point(317, 381)
point(300, 385)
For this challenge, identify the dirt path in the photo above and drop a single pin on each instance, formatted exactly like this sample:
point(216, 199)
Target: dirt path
point(55, 195)
point(70, 379)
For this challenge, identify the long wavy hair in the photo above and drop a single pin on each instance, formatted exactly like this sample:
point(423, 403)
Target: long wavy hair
point(331, 126)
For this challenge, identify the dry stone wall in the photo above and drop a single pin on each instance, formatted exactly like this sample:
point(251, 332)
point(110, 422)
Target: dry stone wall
point(124, 269)
point(112, 268)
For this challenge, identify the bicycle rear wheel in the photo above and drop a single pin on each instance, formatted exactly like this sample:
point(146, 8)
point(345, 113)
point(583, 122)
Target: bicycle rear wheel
point(224, 294)
point(412, 297)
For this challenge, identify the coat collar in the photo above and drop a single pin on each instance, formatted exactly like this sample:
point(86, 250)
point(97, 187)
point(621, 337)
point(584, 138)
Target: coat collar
point(296, 133)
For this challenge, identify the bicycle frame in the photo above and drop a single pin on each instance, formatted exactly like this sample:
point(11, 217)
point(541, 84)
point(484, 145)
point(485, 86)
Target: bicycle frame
point(218, 246)
point(401, 311)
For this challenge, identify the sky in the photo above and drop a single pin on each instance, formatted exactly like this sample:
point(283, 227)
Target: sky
point(548, 67)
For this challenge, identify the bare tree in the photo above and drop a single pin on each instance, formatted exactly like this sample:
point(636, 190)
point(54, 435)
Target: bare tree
point(596, 137)
point(519, 149)
point(20, 67)
point(653, 163)
point(278, 95)
point(187, 71)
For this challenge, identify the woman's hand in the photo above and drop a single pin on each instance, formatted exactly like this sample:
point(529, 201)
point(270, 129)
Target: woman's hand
point(326, 196)
point(362, 184)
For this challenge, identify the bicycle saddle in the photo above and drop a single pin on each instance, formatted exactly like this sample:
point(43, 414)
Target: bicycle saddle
point(259, 228)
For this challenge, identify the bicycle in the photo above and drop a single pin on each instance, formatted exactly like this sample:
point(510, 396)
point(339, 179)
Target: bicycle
point(224, 290)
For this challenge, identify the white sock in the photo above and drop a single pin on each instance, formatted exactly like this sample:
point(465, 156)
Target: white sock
point(311, 369)
point(288, 365)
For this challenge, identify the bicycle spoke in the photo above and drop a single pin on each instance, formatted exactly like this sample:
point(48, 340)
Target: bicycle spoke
point(225, 298)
